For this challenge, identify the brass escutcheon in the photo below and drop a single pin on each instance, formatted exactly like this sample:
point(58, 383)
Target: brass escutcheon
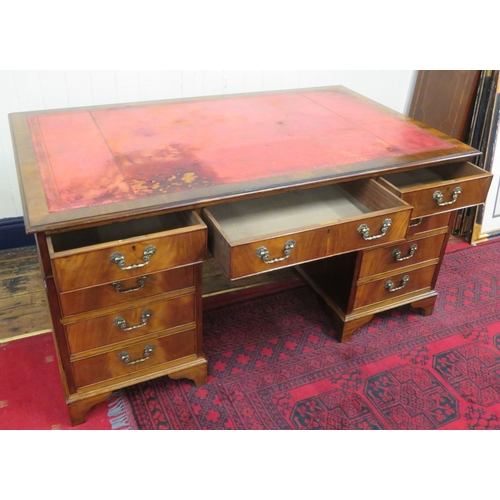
point(263, 253)
point(118, 258)
point(438, 197)
point(364, 230)
point(125, 356)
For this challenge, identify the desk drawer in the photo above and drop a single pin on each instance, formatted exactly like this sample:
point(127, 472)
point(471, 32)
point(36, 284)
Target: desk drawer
point(123, 250)
point(424, 224)
point(394, 257)
point(125, 291)
point(395, 286)
point(258, 235)
point(134, 358)
point(440, 189)
point(130, 324)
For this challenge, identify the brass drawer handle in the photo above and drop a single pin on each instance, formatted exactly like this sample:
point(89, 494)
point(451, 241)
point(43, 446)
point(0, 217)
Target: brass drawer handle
point(389, 285)
point(438, 197)
point(417, 222)
point(141, 281)
point(119, 321)
point(125, 356)
point(397, 253)
point(263, 253)
point(364, 230)
point(118, 258)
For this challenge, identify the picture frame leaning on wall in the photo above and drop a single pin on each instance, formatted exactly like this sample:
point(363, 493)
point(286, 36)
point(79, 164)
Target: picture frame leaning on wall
point(486, 220)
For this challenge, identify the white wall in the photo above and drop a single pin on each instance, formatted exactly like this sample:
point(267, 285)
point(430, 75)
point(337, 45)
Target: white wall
point(35, 90)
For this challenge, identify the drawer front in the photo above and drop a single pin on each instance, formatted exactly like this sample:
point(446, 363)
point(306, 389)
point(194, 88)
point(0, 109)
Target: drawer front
point(123, 259)
point(427, 202)
point(312, 245)
point(125, 291)
point(134, 358)
point(395, 286)
point(398, 256)
point(292, 228)
point(129, 324)
point(423, 224)
point(440, 189)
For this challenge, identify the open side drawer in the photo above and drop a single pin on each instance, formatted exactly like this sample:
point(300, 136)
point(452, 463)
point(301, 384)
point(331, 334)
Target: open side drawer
point(122, 250)
point(442, 188)
point(261, 234)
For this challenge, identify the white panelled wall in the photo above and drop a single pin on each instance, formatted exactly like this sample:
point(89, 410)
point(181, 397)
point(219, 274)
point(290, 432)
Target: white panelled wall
point(37, 90)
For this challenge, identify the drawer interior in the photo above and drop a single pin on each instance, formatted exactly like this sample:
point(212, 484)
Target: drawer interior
point(432, 175)
point(289, 211)
point(122, 230)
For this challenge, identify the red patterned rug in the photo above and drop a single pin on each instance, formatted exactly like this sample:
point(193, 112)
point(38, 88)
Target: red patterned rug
point(31, 394)
point(274, 365)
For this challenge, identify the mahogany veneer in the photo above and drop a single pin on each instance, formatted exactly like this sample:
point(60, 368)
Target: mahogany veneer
point(124, 199)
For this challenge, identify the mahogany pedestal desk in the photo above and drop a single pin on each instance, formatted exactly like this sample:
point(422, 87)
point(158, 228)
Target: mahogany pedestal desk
point(125, 202)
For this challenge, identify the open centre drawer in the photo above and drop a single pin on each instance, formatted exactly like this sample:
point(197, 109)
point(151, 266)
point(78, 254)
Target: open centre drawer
point(441, 188)
point(257, 235)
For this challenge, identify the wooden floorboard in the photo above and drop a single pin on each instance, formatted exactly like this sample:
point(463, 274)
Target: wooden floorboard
point(23, 304)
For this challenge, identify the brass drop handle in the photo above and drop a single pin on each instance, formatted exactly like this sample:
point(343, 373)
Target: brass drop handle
point(438, 197)
point(417, 222)
point(397, 253)
point(389, 285)
point(125, 356)
point(118, 258)
point(263, 253)
point(117, 285)
point(121, 322)
point(364, 230)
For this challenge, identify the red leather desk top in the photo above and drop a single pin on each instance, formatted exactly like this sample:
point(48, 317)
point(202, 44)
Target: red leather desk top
point(98, 156)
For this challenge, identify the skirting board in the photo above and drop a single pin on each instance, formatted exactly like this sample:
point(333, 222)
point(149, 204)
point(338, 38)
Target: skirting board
point(13, 234)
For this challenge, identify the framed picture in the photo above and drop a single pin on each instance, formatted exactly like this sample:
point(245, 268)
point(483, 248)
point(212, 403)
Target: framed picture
point(487, 217)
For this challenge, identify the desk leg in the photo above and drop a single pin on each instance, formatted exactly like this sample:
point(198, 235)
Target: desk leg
point(78, 409)
point(344, 331)
point(197, 373)
point(425, 305)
